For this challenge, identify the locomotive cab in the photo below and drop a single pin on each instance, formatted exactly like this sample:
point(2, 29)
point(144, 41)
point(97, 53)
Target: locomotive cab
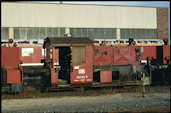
point(66, 61)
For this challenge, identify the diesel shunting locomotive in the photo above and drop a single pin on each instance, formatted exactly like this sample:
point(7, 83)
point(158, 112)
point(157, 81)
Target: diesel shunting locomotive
point(83, 61)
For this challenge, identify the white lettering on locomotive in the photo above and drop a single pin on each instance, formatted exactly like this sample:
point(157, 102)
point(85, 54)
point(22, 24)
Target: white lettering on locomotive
point(81, 71)
point(76, 67)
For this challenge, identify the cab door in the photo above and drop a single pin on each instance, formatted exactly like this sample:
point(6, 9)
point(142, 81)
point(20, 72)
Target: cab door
point(81, 71)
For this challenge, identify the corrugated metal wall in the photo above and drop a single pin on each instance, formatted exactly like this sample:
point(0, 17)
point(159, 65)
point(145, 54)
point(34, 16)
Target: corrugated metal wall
point(76, 16)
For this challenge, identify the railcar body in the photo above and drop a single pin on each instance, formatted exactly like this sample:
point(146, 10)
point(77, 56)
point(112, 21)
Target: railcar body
point(80, 61)
point(66, 62)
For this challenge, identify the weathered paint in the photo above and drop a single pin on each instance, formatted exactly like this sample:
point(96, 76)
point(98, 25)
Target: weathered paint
point(166, 54)
point(54, 70)
point(55, 57)
point(116, 55)
point(121, 55)
point(102, 55)
point(10, 57)
point(105, 76)
point(37, 56)
point(13, 76)
point(148, 51)
point(11, 60)
point(82, 74)
point(54, 77)
point(89, 55)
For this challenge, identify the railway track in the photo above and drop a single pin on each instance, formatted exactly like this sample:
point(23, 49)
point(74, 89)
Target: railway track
point(146, 110)
point(30, 92)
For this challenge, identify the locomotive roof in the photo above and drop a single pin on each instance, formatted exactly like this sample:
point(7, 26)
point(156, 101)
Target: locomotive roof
point(69, 41)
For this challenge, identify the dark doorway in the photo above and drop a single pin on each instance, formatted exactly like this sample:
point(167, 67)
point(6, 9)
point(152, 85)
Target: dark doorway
point(64, 62)
point(96, 76)
point(160, 54)
point(115, 75)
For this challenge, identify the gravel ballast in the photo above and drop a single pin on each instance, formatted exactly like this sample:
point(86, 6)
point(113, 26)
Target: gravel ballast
point(102, 103)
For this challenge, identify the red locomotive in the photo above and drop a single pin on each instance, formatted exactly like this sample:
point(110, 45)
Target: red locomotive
point(84, 61)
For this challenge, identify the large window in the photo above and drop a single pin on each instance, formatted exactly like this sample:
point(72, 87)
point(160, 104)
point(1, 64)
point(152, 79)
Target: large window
point(138, 33)
point(96, 33)
point(38, 33)
point(4, 33)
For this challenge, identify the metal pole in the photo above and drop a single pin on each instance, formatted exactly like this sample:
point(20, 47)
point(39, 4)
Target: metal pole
point(143, 84)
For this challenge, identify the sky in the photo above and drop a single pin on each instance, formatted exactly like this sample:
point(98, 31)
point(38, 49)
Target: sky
point(121, 3)
point(124, 3)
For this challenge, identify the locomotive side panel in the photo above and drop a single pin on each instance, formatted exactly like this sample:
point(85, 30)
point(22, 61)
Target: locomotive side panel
point(122, 55)
point(89, 55)
point(11, 58)
point(31, 55)
point(166, 54)
point(148, 51)
point(105, 76)
point(2, 56)
point(11, 74)
point(102, 55)
point(82, 74)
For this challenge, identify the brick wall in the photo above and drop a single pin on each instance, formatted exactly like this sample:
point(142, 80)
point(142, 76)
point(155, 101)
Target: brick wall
point(162, 23)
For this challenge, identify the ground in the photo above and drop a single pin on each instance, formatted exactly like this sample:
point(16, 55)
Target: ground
point(99, 103)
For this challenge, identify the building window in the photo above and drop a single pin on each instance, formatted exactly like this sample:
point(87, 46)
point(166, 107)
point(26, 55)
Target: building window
point(96, 33)
point(4, 33)
point(138, 33)
point(37, 33)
